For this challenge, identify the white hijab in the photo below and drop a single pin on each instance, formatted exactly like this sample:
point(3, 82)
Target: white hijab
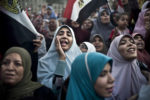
point(47, 64)
point(145, 4)
point(90, 46)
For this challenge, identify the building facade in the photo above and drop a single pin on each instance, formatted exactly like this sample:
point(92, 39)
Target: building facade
point(35, 5)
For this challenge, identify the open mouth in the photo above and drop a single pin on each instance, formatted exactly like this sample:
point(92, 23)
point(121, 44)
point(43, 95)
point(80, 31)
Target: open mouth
point(8, 75)
point(140, 44)
point(110, 90)
point(97, 47)
point(131, 50)
point(64, 42)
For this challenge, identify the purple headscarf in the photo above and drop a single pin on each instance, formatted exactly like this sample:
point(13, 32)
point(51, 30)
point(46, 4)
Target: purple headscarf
point(139, 26)
point(127, 74)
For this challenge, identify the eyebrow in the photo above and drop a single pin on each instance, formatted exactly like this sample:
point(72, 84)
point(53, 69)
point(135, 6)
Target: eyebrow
point(104, 71)
point(122, 40)
point(69, 31)
point(16, 60)
point(61, 31)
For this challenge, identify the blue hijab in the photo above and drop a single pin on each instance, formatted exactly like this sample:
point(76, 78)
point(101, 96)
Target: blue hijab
point(52, 14)
point(86, 68)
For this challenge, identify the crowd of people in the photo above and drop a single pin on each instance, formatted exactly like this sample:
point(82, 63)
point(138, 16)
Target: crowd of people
point(106, 57)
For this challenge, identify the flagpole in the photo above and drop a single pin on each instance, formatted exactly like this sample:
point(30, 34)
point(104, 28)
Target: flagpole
point(109, 6)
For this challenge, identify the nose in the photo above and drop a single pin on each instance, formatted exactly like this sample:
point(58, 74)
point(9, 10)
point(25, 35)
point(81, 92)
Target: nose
point(139, 39)
point(130, 43)
point(96, 41)
point(126, 22)
point(111, 78)
point(10, 67)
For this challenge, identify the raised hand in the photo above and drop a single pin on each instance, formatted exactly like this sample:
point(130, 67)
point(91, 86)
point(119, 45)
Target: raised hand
point(37, 42)
point(61, 53)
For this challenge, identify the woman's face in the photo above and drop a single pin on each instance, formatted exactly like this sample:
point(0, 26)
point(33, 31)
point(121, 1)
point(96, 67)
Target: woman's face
point(52, 24)
point(12, 70)
point(87, 24)
point(49, 11)
point(65, 37)
point(127, 48)
point(104, 83)
point(147, 16)
point(98, 43)
point(83, 47)
point(139, 42)
point(105, 18)
point(75, 24)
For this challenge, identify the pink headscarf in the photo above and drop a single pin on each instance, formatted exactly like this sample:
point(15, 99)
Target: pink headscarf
point(127, 74)
point(139, 26)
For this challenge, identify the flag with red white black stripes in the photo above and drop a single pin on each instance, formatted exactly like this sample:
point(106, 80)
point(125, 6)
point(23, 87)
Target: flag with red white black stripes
point(79, 10)
point(16, 28)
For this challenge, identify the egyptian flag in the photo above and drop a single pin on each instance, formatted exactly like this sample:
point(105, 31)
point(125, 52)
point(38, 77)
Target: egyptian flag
point(16, 28)
point(120, 7)
point(79, 10)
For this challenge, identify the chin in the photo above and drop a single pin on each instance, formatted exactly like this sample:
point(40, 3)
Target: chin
point(10, 83)
point(132, 57)
point(140, 48)
point(65, 48)
point(99, 50)
point(107, 95)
